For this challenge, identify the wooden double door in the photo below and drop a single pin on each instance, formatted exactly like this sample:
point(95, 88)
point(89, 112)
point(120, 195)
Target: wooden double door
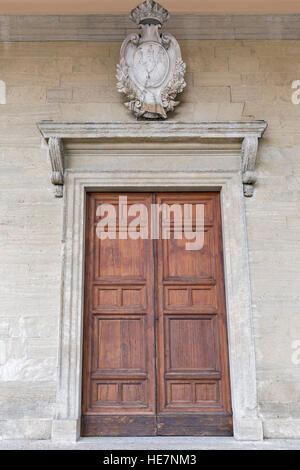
point(155, 343)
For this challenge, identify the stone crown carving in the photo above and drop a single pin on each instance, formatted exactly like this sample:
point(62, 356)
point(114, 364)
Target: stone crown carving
point(151, 71)
point(149, 10)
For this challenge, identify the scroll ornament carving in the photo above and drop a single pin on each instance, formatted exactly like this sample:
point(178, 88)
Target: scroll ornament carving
point(56, 153)
point(151, 71)
point(249, 154)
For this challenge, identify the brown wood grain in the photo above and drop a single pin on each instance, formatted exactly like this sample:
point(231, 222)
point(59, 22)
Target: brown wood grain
point(155, 343)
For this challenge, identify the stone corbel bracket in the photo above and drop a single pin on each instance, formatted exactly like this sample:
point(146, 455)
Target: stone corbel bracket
point(56, 153)
point(57, 135)
point(249, 154)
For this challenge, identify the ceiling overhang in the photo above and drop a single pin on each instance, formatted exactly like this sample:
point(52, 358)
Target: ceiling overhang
point(77, 7)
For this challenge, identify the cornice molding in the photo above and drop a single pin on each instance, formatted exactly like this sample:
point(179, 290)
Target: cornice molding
point(165, 130)
point(115, 27)
point(141, 132)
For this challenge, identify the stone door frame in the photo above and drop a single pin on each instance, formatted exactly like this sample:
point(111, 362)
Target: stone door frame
point(233, 185)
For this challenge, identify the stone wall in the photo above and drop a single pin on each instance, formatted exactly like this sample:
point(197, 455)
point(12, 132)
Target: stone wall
point(227, 80)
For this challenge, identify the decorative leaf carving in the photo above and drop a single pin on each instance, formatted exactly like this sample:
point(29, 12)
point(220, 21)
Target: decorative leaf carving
point(126, 86)
point(176, 85)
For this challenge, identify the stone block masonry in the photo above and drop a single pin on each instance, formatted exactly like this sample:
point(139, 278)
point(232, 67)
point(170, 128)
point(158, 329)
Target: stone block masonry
point(61, 81)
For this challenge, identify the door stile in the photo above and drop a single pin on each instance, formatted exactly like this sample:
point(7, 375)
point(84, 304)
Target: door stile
point(193, 373)
point(119, 367)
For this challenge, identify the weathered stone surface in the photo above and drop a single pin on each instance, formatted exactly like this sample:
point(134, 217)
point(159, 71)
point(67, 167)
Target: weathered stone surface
point(59, 95)
point(25, 429)
point(27, 399)
point(289, 428)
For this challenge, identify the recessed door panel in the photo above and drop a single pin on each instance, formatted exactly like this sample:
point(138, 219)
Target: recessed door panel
point(191, 343)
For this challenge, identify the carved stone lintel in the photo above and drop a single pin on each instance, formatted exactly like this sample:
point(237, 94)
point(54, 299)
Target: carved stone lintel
point(249, 154)
point(168, 132)
point(56, 153)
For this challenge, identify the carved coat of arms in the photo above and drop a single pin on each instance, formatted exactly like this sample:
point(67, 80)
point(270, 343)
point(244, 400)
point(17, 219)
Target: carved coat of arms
point(151, 70)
